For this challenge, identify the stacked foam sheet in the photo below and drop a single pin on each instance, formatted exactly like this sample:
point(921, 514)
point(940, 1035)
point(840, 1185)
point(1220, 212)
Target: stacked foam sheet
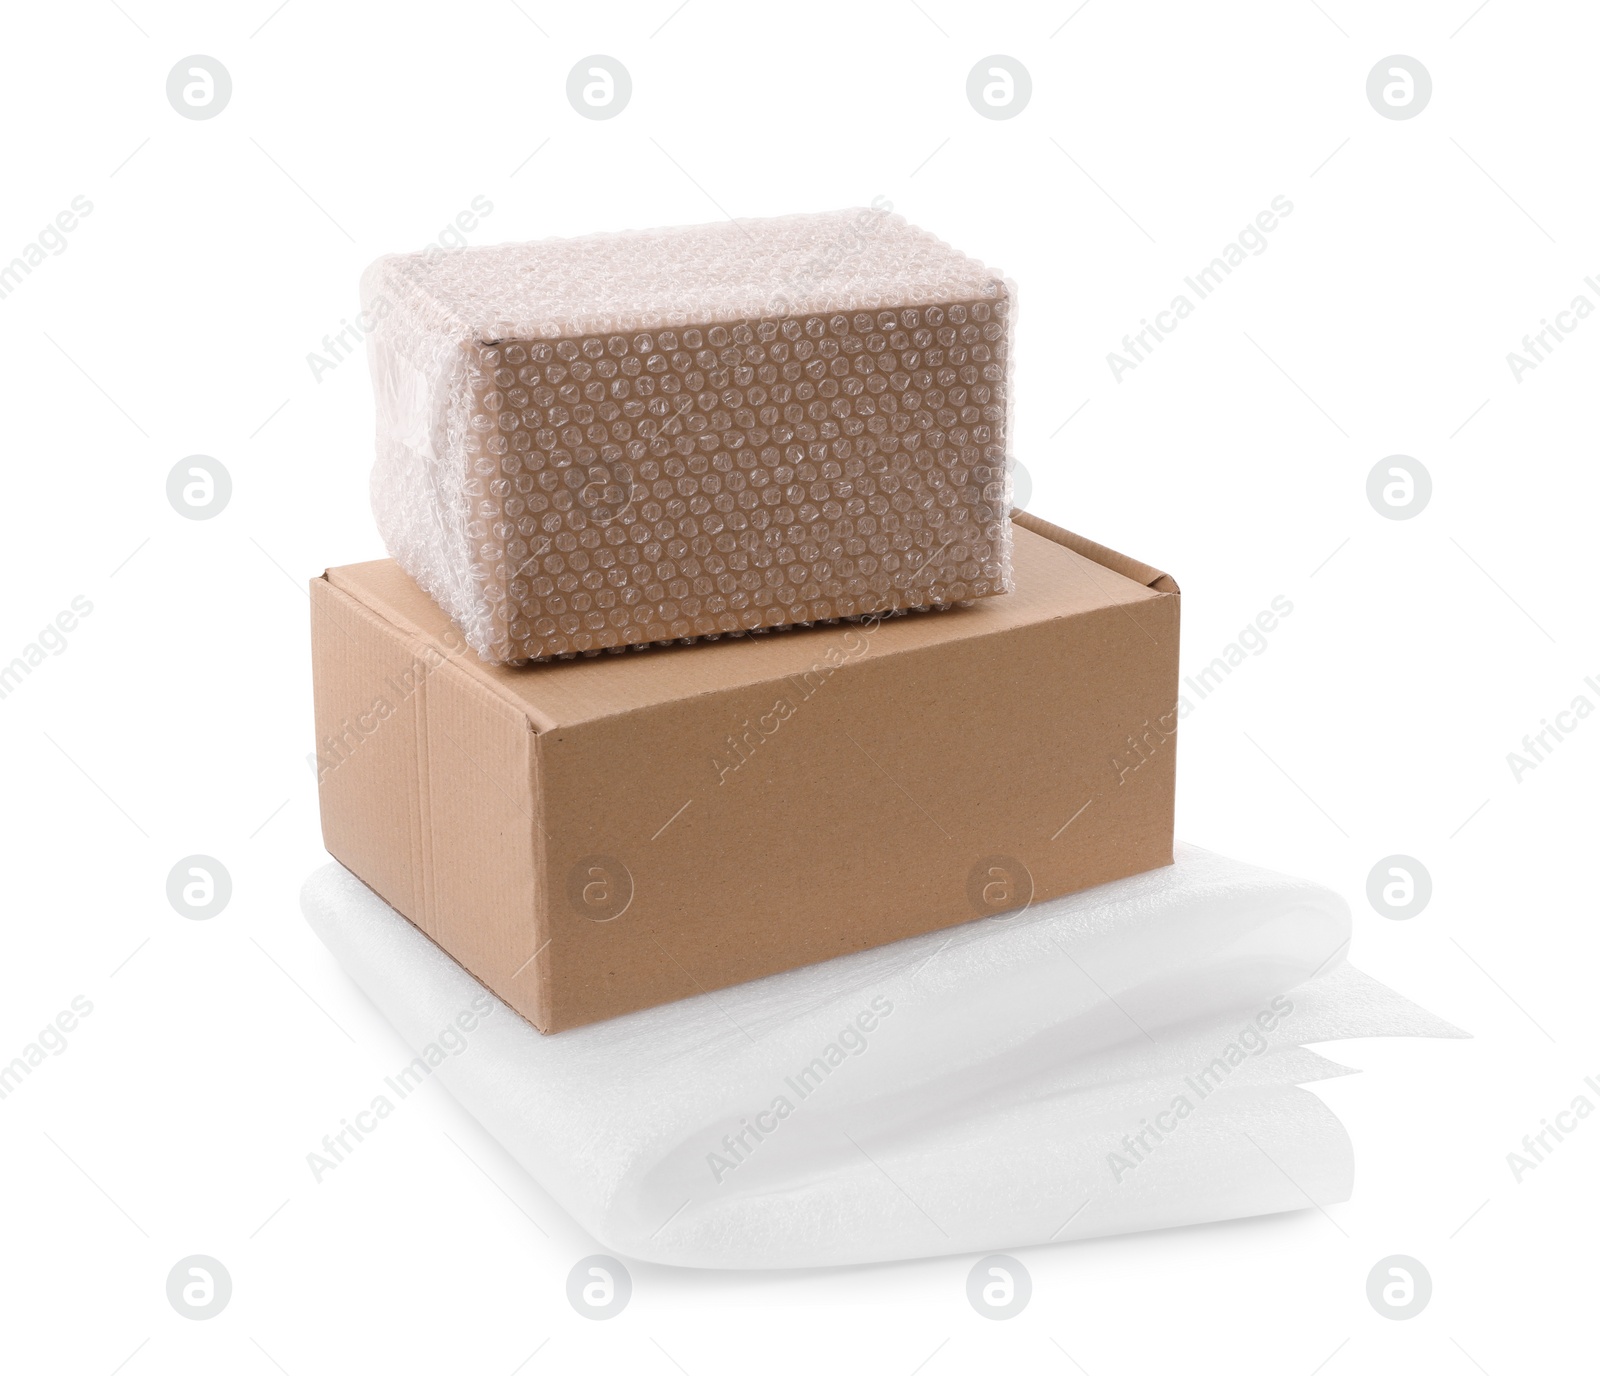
point(596, 443)
point(1123, 1059)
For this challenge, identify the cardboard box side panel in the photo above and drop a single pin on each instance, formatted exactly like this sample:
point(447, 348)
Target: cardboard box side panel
point(366, 748)
point(482, 829)
point(775, 828)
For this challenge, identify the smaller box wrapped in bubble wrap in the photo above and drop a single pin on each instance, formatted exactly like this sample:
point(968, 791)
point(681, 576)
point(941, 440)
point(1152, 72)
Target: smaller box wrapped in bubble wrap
point(595, 443)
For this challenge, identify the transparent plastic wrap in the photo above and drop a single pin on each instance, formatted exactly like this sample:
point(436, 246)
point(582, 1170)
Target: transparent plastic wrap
point(625, 439)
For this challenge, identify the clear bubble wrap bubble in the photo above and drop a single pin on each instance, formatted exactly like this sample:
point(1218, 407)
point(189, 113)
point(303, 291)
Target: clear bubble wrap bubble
point(621, 440)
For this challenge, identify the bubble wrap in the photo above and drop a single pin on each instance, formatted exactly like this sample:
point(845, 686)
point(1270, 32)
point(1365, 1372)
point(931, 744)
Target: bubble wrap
point(595, 443)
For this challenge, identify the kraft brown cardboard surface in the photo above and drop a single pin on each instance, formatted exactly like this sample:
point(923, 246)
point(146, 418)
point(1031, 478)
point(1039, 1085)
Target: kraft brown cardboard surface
point(596, 836)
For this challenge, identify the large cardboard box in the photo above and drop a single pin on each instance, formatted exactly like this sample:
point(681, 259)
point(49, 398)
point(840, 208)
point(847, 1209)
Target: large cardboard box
point(594, 836)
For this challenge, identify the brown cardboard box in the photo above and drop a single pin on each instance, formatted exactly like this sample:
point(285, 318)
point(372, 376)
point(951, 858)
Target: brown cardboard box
point(596, 836)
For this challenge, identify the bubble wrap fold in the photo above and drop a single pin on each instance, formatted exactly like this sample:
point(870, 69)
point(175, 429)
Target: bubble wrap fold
point(1122, 1059)
point(624, 439)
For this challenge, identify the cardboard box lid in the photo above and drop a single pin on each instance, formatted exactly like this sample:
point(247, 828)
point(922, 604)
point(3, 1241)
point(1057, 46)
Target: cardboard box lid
point(1059, 574)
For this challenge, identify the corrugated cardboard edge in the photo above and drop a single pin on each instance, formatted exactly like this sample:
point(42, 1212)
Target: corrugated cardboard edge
point(1141, 573)
point(1133, 569)
point(436, 758)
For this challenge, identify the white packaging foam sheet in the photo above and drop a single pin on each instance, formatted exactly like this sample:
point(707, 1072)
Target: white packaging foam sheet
point(1121, 1059)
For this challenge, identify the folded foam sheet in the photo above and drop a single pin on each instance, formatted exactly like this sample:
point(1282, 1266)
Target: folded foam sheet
point(602, 442)
point(1017, 1082)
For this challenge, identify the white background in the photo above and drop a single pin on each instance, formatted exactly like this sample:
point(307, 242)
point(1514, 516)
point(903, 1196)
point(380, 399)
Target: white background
point(177, 720)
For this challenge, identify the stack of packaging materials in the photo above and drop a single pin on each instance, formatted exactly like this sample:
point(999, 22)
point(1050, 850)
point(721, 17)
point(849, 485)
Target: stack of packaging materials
point(785, 896)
